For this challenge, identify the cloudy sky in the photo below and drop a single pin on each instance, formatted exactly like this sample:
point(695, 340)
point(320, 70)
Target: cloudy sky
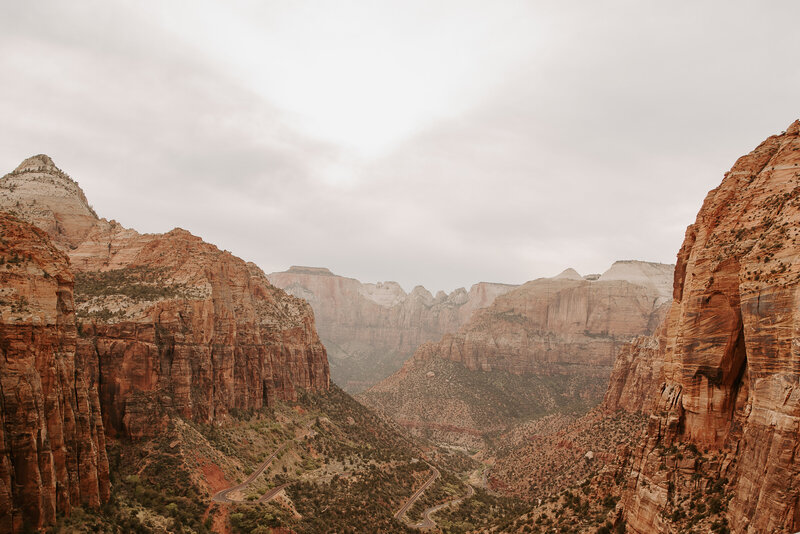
point(434, 142)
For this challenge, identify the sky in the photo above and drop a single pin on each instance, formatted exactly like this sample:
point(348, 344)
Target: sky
point(439, 143)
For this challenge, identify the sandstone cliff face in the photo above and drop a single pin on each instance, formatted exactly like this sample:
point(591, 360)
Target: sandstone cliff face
point(636, 374)
point(555, 325)
point(371, 329)
point(169, 323)
point(52, 447)
point(724, 372)
point(558, 335)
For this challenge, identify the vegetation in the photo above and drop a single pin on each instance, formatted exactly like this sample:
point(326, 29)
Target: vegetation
point(492, 402)
point(136, 283)
point(481, 511)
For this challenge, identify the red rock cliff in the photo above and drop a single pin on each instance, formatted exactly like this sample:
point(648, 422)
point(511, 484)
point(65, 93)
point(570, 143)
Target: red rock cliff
point(724, 374)
point(167, 322)
point(184, 327)
point(52, 447)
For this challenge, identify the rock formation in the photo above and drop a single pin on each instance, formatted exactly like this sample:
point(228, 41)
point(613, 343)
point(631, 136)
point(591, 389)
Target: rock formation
point(559, 335)
point(157, 325)
point(167, 322)
point(723, 371)
point(561, 324)
point(371, 329)
point(52, 446)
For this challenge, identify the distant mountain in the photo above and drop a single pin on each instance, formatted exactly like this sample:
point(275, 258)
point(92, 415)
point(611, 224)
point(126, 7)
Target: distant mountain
point(369, 330)
point(547, 346)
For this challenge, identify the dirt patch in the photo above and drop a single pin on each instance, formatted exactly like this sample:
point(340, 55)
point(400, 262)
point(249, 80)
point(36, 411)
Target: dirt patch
point(215, 478)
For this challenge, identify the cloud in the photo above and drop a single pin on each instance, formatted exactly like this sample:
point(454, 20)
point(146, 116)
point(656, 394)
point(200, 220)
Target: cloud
point(439, 144)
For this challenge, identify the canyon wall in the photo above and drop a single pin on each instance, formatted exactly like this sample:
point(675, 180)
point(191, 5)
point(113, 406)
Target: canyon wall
point(545, 347)
point(157, 325)
point(167, 322)
point(560, 324)
point(52, 446)
point(369, 330)
point(723, 374)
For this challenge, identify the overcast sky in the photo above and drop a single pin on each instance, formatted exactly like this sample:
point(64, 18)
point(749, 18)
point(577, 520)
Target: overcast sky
point(435, 142)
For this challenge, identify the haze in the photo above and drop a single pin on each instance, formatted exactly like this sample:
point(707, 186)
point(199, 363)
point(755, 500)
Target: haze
point(436, 143)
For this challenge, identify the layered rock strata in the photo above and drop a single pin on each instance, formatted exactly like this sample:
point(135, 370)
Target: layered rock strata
point(167, 322)
point(371, 329)
point(560, 335)
point(52, 446)
point(554, 325)
point(723, 373)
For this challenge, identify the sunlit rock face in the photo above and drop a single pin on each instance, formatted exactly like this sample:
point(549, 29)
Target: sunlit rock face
point(168, 323)
point(52, 446)
point(723, 371)
point(369, 330)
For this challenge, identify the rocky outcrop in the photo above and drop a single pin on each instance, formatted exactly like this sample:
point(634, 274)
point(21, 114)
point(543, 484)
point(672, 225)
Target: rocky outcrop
point(187, 328)
point(169, 324)
point(725, 377)
point(52, 446)
point(42, 194)
point(371, 329)
point(636, 374)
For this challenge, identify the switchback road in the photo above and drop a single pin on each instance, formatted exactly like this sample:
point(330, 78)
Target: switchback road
point(222, 496)
point(417, 494)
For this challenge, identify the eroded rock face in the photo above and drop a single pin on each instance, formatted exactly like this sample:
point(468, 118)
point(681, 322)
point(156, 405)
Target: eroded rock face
point(217, 337)
point(52, 446)
point(725, 374)
point(167, 322)
point(565, 330)
point(555, 325)
point(636, 375)
point(371, 329)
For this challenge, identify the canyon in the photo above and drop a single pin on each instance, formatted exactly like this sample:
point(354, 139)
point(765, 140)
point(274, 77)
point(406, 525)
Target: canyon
point(651, 398)
point(548, 346)
point(369, 330)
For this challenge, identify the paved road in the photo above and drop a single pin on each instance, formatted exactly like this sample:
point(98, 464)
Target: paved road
point(428, 523)
point(268, 496)
point(222, 496)
point(417, 494)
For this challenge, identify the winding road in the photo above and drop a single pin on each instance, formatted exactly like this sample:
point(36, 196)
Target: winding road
point(417, 494)
point(268, 496)
point(222, 496)
point(428, 523)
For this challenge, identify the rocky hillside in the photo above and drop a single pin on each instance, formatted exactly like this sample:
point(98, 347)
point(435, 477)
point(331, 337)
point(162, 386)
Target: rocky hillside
point(168, 323)
point(52, 446)
point(721, 377)
point(369, 330)
point(159, 325)
point(561, 333)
